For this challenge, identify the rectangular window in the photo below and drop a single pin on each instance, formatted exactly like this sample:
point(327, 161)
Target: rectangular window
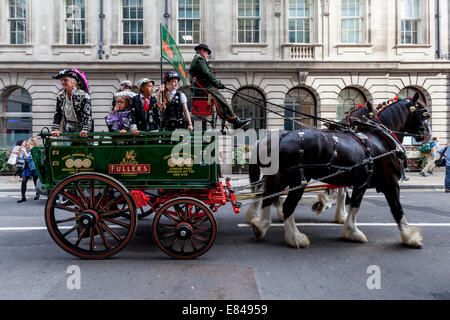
point(248, 23)
point(17, 21)
point(300, 21)
point(351, 21)
point(410, 23)
point(75, 21)
point(133, 22)
point(188, 21)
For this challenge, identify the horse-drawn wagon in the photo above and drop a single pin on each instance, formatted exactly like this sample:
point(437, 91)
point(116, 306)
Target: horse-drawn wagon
point(100, 186)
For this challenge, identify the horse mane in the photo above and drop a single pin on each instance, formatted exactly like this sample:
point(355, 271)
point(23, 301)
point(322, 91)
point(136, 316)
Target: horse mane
point(349, 112)
point(383, 105)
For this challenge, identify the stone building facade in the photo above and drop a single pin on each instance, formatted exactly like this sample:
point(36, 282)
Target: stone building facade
point(318, 56)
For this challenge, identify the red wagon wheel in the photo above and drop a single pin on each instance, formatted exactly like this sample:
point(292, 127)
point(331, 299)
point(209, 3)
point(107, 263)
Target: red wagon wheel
point(96, 218)
point(184, 228)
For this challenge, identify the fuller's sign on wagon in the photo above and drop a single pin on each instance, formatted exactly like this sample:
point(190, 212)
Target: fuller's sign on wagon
point(129, 168)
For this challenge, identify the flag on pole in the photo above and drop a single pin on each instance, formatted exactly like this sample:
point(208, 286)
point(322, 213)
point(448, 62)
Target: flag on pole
point(170, 52)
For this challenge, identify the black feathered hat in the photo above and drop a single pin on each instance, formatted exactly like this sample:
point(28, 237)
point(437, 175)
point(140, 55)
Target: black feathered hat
point(79, 77)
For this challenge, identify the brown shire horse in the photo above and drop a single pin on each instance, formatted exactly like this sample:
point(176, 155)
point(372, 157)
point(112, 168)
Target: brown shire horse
point(372, 160)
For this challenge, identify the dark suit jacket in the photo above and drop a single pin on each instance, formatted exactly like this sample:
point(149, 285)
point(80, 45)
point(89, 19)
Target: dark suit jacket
point(201, 71)
point(140, 119)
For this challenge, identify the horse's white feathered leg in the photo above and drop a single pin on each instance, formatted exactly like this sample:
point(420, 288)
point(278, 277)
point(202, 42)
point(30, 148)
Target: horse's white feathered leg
point(410, 235)
point(350, 231)
point(261, 223)
point(253, 211)
point(292, 236)
point(324, 202)
point(341, 212)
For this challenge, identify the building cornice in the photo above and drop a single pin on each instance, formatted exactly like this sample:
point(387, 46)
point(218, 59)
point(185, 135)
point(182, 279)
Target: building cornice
point(235, 65)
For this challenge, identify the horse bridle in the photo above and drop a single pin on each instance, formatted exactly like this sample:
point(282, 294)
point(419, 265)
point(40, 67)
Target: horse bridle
point(420, 114)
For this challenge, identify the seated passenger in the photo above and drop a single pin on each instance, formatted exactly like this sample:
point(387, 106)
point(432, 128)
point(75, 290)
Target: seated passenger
point(125, 88)
point(118, 120)
point(173, 104)
point(144, 112)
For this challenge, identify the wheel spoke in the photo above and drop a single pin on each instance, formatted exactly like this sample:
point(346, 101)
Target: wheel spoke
point(120, 223)
point(92, 238)
point(105, 241)
point(74, 200)
point(178, 210)
point(115, 236)
point(101, 197)
point(65, 208)
point(171, 218)
point(165, 235)
point(80, 191)
point(80, 237)
point(193, 244)
point(66, 220)
point(114, 212)
point(112, 203)
point(173, 243)
point(92, 193)
point(199, 237)
point(201, 220)
point(197, 211)
point(65, 234)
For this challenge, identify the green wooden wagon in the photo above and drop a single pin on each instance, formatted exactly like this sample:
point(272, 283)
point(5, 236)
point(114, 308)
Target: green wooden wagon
point(101, 185)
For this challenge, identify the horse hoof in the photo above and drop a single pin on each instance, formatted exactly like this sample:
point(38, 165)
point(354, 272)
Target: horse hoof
point(258, 230)
point(412, 238)
point(298, 241)
point(354, 235)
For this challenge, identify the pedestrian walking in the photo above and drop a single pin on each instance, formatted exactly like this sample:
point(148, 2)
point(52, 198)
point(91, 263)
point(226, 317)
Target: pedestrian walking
point(14, 160)
point(431, 157)
point(29, 171)
point(445, 152)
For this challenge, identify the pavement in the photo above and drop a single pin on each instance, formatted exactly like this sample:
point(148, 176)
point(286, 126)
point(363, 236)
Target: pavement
point(416, 181)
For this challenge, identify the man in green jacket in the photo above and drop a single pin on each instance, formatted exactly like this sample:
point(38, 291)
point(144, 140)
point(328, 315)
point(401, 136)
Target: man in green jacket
point(204, 82)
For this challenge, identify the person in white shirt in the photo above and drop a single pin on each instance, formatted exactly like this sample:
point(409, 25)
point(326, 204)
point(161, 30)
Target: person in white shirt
point(173, 104)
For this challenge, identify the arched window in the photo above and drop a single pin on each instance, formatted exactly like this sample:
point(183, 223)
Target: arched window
point(409, 92)
point(301, 100)
point(15, 116)
point(348, 99)
point(251, 104)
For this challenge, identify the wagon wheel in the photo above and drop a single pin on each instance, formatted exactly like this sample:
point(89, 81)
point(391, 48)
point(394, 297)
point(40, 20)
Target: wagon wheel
point(89, 223)
point(184, 228)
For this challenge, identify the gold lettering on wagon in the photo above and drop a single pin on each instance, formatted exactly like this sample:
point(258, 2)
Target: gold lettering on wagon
point(129, 166)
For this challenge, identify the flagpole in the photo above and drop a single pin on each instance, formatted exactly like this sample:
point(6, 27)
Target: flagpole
point(166, 24)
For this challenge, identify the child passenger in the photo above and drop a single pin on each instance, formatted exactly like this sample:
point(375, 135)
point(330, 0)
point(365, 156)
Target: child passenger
point(118, 120)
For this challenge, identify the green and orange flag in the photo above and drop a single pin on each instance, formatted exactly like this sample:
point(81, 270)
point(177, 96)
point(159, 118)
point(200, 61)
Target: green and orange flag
point(170, 52)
